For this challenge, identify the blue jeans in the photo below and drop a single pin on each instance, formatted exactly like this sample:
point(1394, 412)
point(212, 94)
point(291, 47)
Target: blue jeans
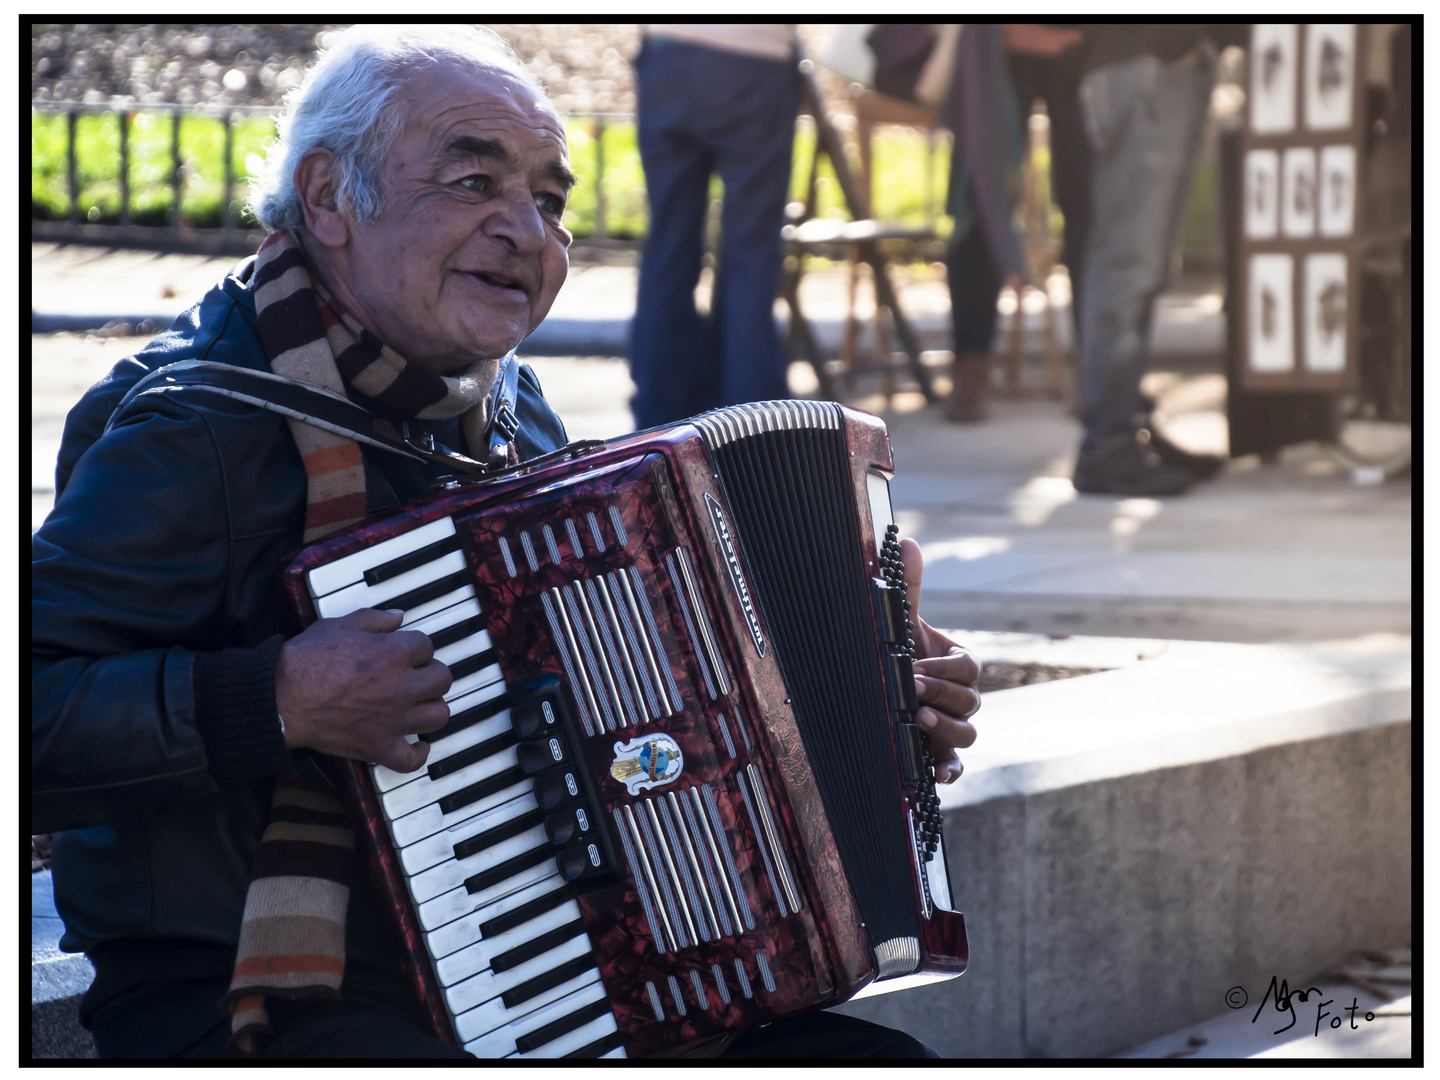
point(705, 111)
point(1145, 121)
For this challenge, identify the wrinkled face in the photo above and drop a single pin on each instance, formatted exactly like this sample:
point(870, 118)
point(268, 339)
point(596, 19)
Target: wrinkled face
point(469, 253)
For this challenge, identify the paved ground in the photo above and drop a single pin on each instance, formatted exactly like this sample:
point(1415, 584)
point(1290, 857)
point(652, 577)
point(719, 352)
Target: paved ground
point(1375, 1019)
point(76, 287)
point(1289, 551)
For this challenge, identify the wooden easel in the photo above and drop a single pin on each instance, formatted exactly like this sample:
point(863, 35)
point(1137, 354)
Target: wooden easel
point(862, 236)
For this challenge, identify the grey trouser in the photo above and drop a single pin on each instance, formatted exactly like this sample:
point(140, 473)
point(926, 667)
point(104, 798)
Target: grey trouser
point(1145, 120)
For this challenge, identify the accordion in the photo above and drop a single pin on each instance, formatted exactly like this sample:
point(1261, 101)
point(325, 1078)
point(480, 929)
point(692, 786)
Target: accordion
point(681, 791)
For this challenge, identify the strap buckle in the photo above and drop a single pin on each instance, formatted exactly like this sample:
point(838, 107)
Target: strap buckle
point(503, 429)
point(506, 422)
point(422, 441)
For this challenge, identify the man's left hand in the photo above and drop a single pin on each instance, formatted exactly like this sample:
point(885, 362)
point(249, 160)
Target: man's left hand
point(945, 678)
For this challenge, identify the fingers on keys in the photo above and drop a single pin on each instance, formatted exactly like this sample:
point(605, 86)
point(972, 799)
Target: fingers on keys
point(945, 731)
point(947, 766)
point(373, 620)
point(949, 698)
point(956, 665)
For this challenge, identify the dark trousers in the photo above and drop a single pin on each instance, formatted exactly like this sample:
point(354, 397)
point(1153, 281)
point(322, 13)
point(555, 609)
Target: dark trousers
point(704, 111)
point(180, 1020)
point(1057, 82)
point(1145, 120)
point(974, 288)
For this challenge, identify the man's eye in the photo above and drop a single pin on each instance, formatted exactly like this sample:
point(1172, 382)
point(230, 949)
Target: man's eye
point(477, 182)
point(550, 203)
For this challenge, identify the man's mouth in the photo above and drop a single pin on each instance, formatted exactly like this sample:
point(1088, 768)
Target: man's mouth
point(498, 280)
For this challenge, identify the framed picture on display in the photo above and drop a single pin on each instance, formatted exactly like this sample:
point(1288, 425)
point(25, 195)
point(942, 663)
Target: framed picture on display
point(1262, 194)
point(1337, 190)
point(1324, 312)
point(1299, 177)
point(1330, 59)
point(1274, 70)
point(1270, 304)
point(1297, 193)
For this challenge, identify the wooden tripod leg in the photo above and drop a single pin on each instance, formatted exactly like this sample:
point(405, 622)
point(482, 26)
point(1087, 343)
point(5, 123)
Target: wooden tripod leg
point(1054, 363)
point(885, 297)
point(1012, 346)
point(849, 343)
point(800, 329)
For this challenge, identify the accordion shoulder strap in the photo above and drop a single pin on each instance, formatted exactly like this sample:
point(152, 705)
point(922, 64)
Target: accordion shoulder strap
point(504, 423)
point(310, 404)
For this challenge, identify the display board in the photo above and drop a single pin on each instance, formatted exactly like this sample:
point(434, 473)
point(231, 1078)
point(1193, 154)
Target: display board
point(1300, 175)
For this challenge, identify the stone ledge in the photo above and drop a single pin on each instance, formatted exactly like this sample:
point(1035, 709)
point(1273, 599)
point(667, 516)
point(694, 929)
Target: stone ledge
point(1128, 845)
point(1264, 830)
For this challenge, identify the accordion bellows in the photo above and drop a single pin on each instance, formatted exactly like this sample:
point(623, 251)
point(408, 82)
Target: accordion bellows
point(681, 792)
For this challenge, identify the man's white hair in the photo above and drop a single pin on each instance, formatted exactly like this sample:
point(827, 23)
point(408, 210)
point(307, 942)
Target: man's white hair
point(350, 104)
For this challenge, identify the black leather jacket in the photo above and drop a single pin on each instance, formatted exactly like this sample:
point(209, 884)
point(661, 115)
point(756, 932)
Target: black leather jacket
point(155, 628)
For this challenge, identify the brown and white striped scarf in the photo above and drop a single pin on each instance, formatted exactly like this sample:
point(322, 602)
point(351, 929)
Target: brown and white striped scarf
point(292, 933)
point(308, 336)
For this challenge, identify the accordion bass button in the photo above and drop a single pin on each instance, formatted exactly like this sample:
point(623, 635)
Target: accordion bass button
point(580, 863)
point(553, 789)
point(536, 755)
point(569, 825)
point(540, 706)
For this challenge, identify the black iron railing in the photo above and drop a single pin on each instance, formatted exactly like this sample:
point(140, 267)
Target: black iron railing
point(594, 124)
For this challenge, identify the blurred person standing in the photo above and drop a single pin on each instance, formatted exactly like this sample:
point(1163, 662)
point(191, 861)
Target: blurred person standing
point(986, 107)
point(971, 74)
point(1045, 64)
point(712, 98)
point(983, 254)
point(1144, 98)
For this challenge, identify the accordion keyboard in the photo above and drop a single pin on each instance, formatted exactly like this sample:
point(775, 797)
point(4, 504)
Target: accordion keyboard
point(500, 922)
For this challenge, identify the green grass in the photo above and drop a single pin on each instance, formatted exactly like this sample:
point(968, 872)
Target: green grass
point(901, 160)
point(97, 156)
point(627, 216)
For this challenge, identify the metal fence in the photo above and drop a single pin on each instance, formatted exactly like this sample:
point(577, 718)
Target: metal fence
point(226, 114)
point(594, 124)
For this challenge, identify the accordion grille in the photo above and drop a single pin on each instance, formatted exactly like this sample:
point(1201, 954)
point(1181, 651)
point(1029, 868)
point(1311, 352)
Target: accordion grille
point(786, 473)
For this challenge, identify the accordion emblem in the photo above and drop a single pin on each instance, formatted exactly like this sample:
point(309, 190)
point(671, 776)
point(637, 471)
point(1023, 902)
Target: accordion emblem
point(681, 792)
point(647, 763)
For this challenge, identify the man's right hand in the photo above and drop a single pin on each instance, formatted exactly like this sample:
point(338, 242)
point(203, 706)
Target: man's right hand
point(355, 686)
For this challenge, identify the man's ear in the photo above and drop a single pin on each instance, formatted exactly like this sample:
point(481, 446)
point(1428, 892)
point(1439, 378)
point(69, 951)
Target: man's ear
point(317, 185)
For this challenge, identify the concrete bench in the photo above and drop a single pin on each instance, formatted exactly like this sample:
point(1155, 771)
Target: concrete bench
point(1128, 845)
point(1125, 846)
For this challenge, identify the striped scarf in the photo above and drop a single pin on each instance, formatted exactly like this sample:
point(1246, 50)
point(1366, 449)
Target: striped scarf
point(292, 933)
point(308, 336)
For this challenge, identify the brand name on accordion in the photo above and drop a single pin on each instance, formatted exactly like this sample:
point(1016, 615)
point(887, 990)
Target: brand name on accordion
point(737, 579)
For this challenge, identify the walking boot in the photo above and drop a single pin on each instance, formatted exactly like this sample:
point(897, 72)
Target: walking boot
point(1204, 466)
point(1123, 465)
point(969, 377)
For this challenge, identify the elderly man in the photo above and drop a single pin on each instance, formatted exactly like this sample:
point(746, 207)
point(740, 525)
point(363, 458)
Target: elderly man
point(415, 201)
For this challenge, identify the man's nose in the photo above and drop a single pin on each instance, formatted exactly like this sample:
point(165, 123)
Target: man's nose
point(517, 222)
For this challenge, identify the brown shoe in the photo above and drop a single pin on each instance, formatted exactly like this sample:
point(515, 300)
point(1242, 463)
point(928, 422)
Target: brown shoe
point(969, 376)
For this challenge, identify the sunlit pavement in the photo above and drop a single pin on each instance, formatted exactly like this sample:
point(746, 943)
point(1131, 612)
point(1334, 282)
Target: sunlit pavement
point(1285, 551)
point(1373, 1022)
